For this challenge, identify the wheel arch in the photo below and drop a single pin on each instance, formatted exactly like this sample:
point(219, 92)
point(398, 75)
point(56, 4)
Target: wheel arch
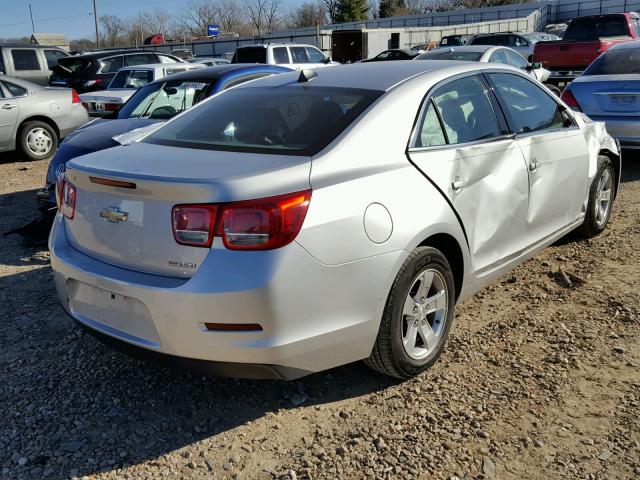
point(38, 118)
point(616, 160)
point(451, 249)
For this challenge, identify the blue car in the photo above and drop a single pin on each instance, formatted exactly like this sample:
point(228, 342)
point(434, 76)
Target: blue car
point(155, 102)
point(609, 91)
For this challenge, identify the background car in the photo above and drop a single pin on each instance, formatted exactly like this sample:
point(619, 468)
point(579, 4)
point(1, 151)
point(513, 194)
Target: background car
point(455, 40)
point(290, 55)
point(394, 54)
point(490, 54)
point(126, 82)
point(609, 91)
point(34, 118)
point(424, 47)
point(154, 103)
point(210, 61)
point(521, 42)
point(29, 62)
point(94, 71)
point(295, 224)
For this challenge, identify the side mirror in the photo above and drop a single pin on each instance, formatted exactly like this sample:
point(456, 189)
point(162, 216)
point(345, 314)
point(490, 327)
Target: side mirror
point(534, 66)
point(567, 119)
point(327, 60)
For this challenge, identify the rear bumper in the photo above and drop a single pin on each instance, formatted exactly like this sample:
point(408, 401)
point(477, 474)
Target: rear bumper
point(625, 130)
point(77, 118)
point(313, 316)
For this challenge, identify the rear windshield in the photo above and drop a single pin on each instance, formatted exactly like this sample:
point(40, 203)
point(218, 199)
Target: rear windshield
point(76, 65)
point(290, 120)
point(131, 79)
point(250, 55)
point(164, 100)
point(464, 56)
point(490, 40)
point(592, 28)
point(616, 62)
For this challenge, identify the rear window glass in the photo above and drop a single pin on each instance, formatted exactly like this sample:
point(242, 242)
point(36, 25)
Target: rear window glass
point(464, 56)
point(591, 28)
point(616, 62)
point(76, 65)
point(163, 100)
point(290, 120)
point(250, 55)
point(131, 79)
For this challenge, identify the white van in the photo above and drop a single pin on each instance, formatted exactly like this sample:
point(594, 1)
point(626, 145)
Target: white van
point(290, 55)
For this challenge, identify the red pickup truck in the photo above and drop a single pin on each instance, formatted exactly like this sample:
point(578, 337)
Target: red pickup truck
point(584, 40)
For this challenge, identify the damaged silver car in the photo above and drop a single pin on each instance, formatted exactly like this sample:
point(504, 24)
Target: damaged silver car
point(296, 223)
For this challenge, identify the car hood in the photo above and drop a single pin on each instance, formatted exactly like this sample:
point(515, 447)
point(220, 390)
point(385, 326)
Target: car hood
point(95, 136)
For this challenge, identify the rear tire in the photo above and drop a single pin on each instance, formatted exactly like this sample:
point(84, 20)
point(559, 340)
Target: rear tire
point(38, 140)
point(601, 195)
point(417, 316)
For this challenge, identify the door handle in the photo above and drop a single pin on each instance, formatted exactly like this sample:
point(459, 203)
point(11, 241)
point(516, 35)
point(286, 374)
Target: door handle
point(533, 166)
point(458, 183)
point(8, 106)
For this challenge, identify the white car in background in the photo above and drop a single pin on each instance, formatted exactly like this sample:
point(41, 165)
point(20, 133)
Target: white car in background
point(125, 84)
point(290, 55)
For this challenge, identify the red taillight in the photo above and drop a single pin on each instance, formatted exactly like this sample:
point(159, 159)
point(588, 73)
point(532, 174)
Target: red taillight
point(193, 225)
point(568, 98)
point(112, 107)
point(75, 98)
point(66, 197)
point(261, 224)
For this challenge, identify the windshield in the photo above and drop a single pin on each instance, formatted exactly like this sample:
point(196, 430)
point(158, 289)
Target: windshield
point(250, 55)
point(592, 28)
point(163, 100)
point(131, 79)
point(449, 55)
point(292, 120)
point(616, 62)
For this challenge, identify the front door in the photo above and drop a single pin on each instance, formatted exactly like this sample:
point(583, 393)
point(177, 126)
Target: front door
point(460, 145)
point(554, 148)
point(8, 116)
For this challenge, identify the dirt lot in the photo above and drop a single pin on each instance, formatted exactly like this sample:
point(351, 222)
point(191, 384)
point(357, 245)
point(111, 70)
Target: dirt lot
point(540, 381)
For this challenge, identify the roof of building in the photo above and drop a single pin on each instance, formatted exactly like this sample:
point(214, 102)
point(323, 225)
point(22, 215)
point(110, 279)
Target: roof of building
point(49, 39)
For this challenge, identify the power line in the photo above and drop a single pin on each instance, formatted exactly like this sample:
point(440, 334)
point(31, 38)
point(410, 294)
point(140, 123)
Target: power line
point(46, 20)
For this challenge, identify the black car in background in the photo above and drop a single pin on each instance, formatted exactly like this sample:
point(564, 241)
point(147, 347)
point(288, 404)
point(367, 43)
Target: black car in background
point(93, 71)
point(455, 40)
point(394, 54)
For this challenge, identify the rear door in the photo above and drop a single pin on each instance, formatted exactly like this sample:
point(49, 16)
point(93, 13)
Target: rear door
point(462, 145)
point(554, 148)
point(27, 65)
point(8, 115)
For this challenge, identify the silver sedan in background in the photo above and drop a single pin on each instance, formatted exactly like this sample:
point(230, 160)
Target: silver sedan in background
point(33, 118)
point(296, 223)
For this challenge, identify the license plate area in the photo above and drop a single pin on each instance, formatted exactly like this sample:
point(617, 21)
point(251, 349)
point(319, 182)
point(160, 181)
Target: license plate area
point(112, 313)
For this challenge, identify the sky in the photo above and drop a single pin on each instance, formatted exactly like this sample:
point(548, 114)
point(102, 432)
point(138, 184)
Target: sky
point(74, 18)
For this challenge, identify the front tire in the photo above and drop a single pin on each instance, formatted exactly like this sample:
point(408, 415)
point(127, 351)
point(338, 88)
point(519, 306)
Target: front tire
point(38, 140)
point(417, 316)
point(601, 195)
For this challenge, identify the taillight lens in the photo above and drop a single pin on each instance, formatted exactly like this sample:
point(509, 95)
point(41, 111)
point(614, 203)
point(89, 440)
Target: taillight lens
point(568, 98)
point(75, 98)
point(193, 225)
point(261, 224)
point(66, 197)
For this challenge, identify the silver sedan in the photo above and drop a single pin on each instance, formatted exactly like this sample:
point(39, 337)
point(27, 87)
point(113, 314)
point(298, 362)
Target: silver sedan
point(297, 223)
point(34, 118)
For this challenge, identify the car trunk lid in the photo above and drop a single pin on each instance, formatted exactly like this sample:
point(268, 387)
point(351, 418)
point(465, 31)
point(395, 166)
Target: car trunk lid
point(608, 95)
point(153, 179)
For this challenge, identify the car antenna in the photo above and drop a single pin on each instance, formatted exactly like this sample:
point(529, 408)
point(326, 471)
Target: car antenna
point(306, 75)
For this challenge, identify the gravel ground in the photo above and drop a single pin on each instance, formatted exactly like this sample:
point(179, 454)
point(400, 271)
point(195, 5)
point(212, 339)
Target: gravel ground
point(539, 381)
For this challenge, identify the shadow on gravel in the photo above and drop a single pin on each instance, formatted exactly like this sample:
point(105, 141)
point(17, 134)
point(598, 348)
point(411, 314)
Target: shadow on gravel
point(630, 166)
point(73, 407)
point(11, 157)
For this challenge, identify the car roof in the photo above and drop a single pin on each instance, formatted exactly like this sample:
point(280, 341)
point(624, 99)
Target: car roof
point(626, 45)
point(23, 45)
point(464, 48)
point(381, 76)
point(267, 45)
point(220, 71)
point(154, 66)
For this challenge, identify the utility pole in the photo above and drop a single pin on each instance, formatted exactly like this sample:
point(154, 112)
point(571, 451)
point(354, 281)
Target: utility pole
point(95, 19)
point(33, 29)
point(141, 34)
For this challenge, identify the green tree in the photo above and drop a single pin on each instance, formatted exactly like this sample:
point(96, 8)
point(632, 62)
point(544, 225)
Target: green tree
point(392, 8)
point(352, 10)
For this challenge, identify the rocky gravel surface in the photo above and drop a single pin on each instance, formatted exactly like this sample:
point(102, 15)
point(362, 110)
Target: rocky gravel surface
point(540, 381)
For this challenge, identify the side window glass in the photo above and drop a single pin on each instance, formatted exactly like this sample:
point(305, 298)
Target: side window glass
point(498, 57)
point(111, 65)
point(15, 90)
point(466, 111)
point(280, 55)
point(529, 108)
point(52, 57)
point(25, 60)
point(515, 60)
point(140, 59)
point(430, 132)
point(166, 59)
point(299, 55)
point(315, 55)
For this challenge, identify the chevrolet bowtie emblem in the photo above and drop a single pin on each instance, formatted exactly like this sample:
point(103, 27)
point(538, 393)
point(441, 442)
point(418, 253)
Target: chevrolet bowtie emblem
point(114, 215)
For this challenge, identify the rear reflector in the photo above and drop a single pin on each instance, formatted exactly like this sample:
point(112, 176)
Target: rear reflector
point(568, 98)
point(233, 327)
point(112, 183)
